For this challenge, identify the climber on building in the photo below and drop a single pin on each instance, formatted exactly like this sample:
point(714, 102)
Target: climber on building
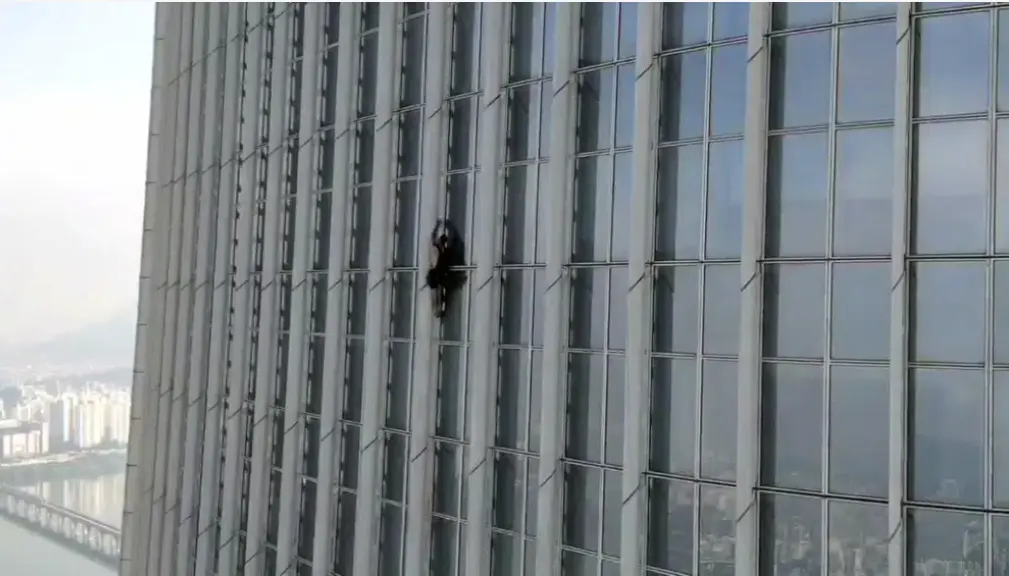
point(444, 278)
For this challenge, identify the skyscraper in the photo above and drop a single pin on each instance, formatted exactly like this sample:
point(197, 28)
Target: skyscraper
point(735, 301)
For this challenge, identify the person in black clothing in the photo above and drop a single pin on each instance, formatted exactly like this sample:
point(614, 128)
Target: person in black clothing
point(444, 279)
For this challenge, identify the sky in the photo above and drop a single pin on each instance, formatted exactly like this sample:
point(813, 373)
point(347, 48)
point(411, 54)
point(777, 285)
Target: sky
point(73, 141)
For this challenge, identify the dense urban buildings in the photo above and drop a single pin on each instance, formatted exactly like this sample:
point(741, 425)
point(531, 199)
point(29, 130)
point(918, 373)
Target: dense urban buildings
point(736, 298)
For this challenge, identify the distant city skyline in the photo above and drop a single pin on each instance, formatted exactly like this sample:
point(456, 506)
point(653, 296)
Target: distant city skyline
point(74, 145)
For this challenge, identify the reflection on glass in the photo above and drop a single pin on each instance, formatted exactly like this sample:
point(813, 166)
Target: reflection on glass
point(614, 446)
point(728, 89)
point(724, 227)
point(1000, 323)
point(791, 425)
point(947, 435)
point(952, 81)
point(718, 419)
point(866, 67)
point(860, 311)
point(951, 174)
point(681, 100)
point(673, 405)
point(863, 192)
point(790, 535)
point(945, 542)
point(612, 504)
point(793, 310)
point(595, 110)
point(797, 183)
point(599, 32)
point(947, 312)
point(721, 309)
point(716, 541)
point(679, 200)
point(1003, 60)
point(624, 122)
point(1000, 545)
point(795, 15)
point(859, 426)
point(623, 190)
point(616, 336)
point(856, 539)
point(512, 398)
point(674, 324)
point(671, 525)
point(800, 76)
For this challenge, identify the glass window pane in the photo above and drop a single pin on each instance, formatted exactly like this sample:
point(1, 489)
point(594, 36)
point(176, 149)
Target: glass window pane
point(623, 192)
point(512, 398)
point(791, 426)
point(595, 110)
point(855, 10)
point(624, 124)
point(724, 228)
point(863, 192)
point(582, 506)
point(1002, 185)
point(670, 539)
point(628, 30)
point(859, 426)
point(797, 184)
point(614, 411)
point(866, 68)
point(786, 15)
point(858, 538)
point(728, 89)
point(617, 329)
point(599, 33)
point(681, 100)
point(793, 310)
point(790, 535)
point(940, 538)
point(612, 504)
point(1000, 323)
point(585, 407)
point(588, 305)
point(684, 23)
point(678, 203)
point(947, 312)
point(952, 81)
point(674, 323)
point(721, 309)
point(718, 419)
point(860, 311)
point(519, 226)
point(800, 78)
point(949, 204)
point(732, 19)
point(947, 436)
point(673, 408)
point(593, 181)
point(1000, 440)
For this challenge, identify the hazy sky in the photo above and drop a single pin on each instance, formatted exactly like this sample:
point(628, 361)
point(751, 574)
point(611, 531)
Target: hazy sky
point(73, 141)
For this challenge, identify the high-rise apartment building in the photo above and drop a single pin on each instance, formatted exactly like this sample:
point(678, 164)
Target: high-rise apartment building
point(736, 303)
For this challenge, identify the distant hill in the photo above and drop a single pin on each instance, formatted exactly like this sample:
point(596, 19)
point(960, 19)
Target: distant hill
point(106, 343)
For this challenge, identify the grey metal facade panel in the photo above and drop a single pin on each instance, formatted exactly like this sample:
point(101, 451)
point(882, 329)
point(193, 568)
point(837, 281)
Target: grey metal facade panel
point(607, 394)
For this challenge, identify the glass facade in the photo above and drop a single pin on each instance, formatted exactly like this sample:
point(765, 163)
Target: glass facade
point(735, 299)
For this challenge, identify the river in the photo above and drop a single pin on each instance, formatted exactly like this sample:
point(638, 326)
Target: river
point(24, 553)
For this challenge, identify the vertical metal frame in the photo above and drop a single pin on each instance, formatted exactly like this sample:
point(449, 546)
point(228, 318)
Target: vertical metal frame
point(221, 299)
point(240, 346)
point(422, 397)
point(200, 284)
point(898, 293)
point(751, 293)
point(176, 185)
point(379, 256)
point(634, 492)
point(297, 374)
point(149, 248)
point(330, 446)
point(482, 369)
point(262, 441)
point(182, 284)
point(551, 472)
